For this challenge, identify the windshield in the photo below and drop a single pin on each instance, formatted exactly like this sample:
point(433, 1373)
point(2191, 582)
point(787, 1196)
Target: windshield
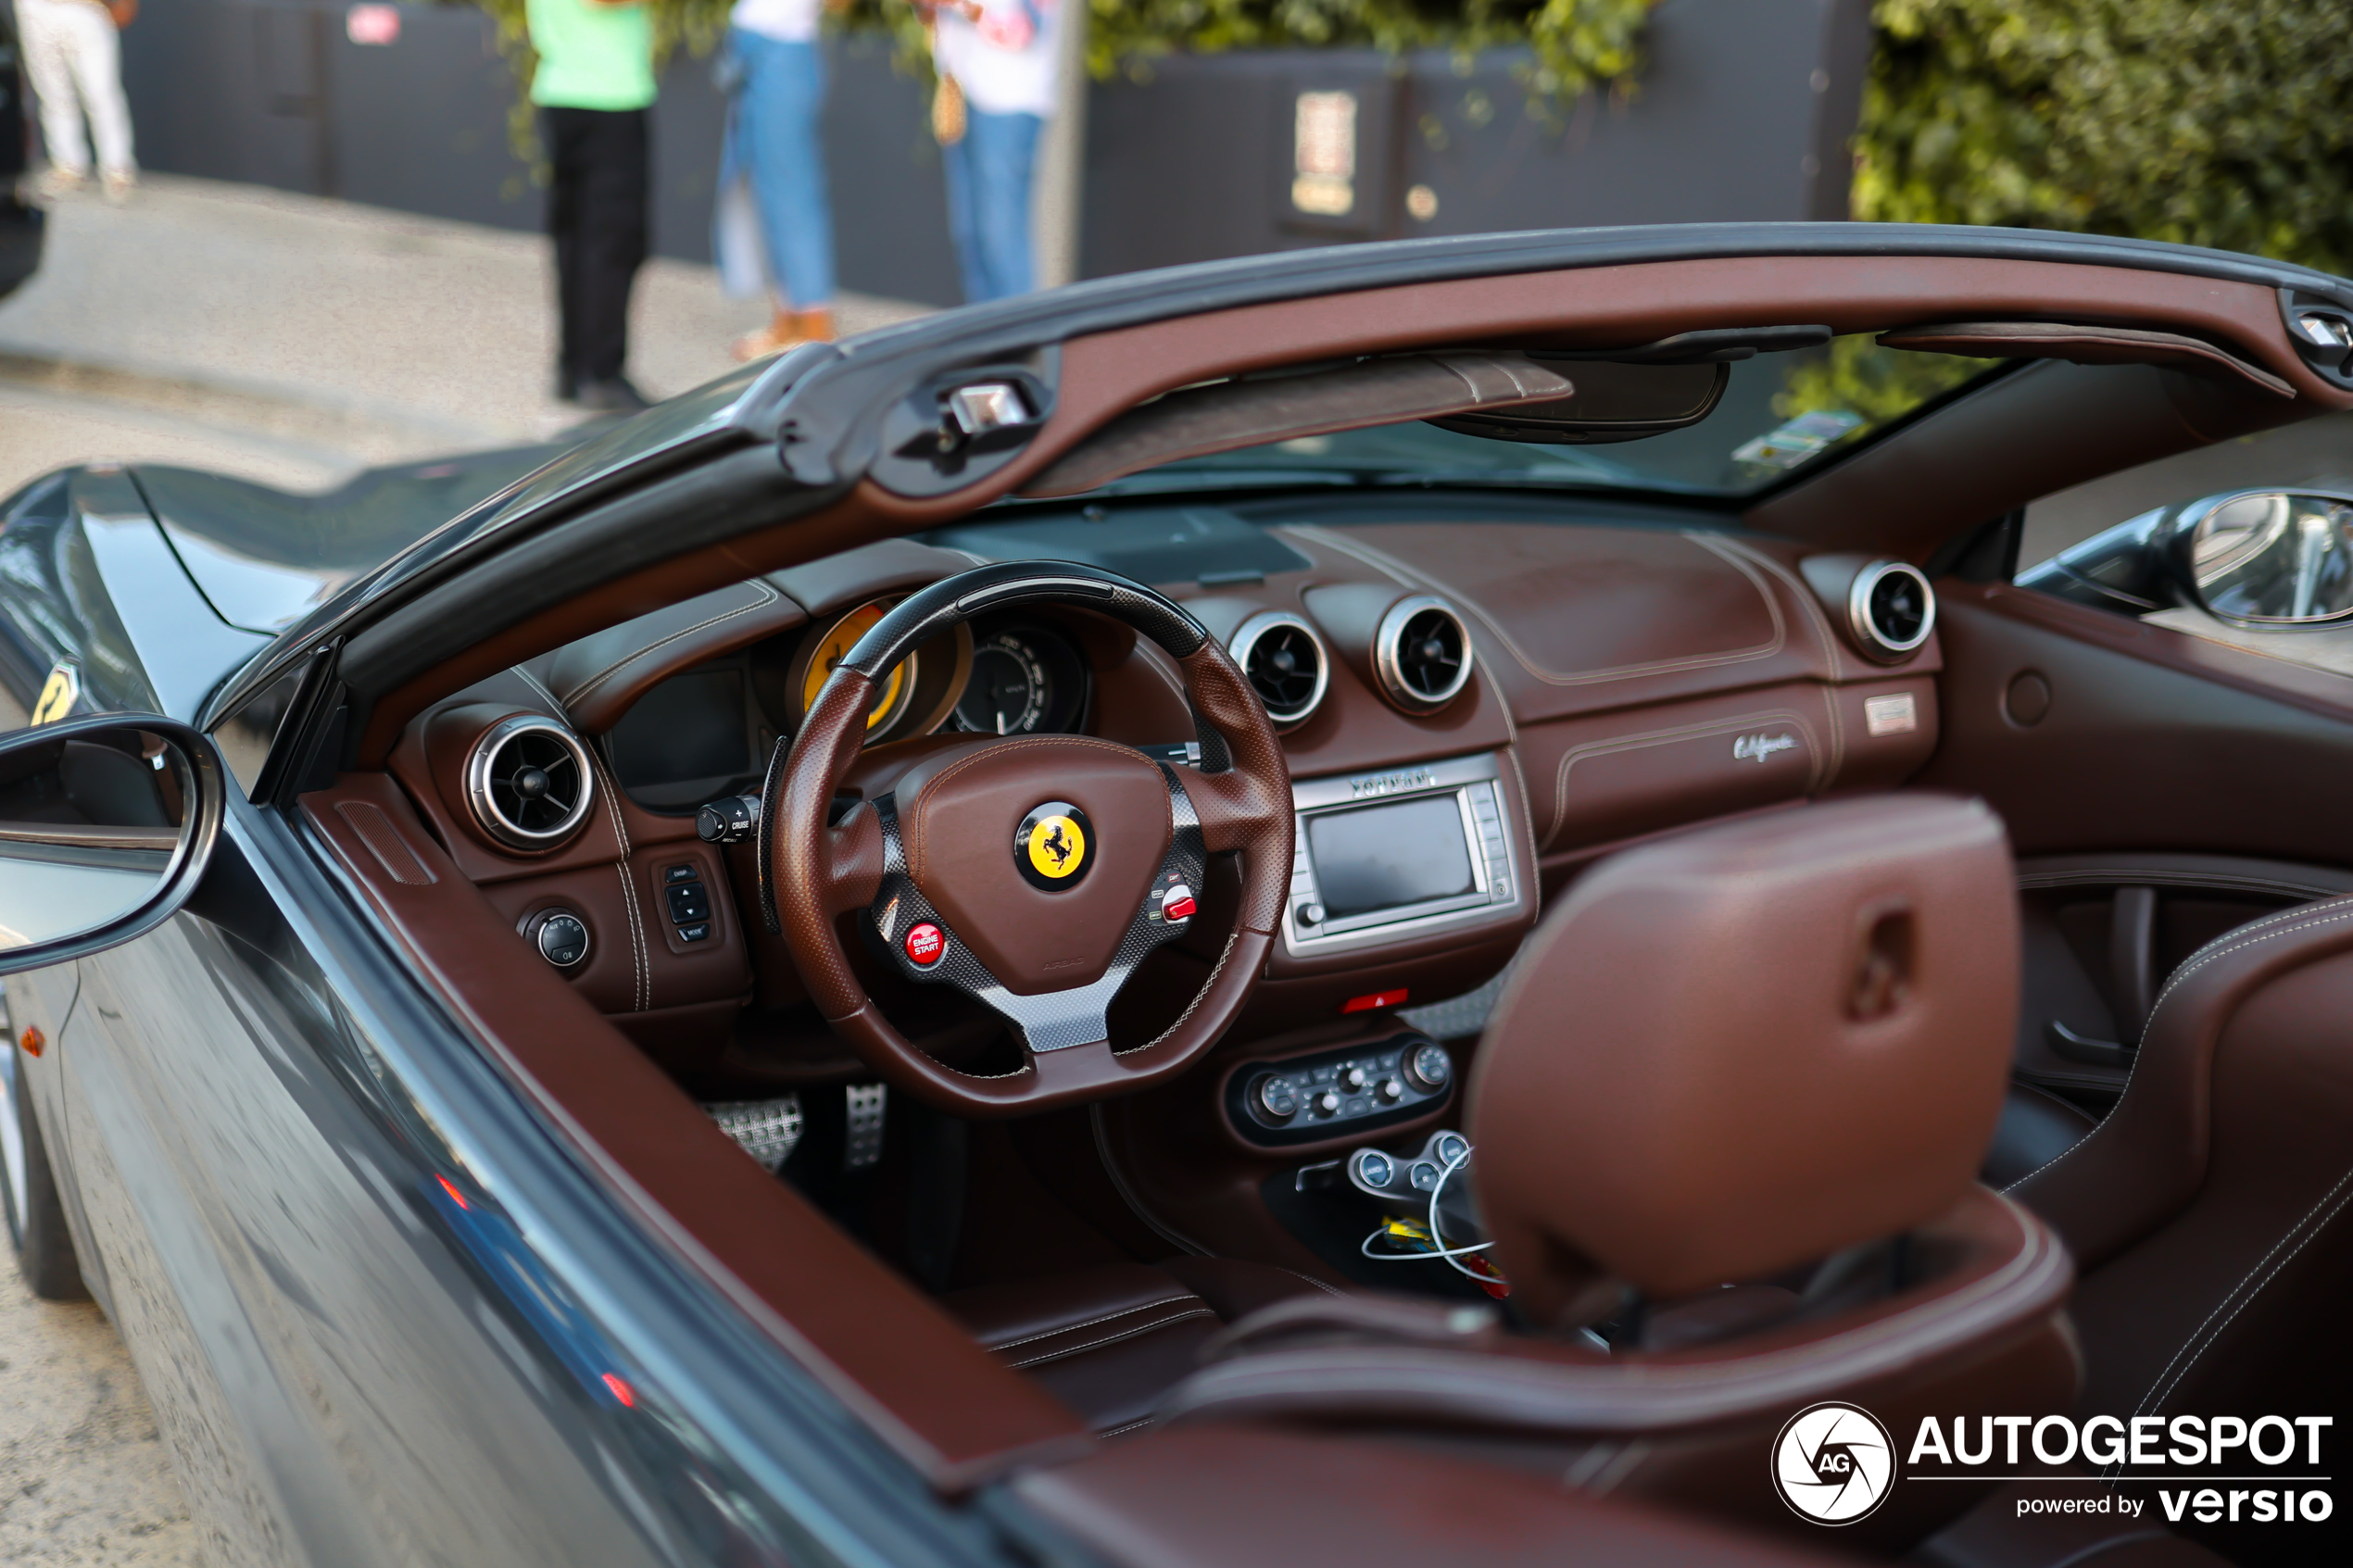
point(1780, 414)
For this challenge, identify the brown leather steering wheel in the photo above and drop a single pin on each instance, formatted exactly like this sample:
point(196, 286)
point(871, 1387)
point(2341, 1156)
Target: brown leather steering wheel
point(1033, 873)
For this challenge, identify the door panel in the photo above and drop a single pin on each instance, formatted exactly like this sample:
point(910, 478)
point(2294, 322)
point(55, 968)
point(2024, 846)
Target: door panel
point(2152, 808)
point(337, 1383)
point(2134, 754)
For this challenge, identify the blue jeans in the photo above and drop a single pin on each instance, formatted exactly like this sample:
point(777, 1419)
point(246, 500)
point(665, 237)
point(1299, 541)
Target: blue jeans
point(772, 139)
point(989, 181)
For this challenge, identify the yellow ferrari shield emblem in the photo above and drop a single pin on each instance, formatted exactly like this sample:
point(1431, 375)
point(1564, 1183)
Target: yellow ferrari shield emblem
point(1051, 848)
point(1057, 847)
point(58, 694)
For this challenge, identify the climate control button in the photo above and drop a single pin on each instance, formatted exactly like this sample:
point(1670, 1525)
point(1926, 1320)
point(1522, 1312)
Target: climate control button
point(1277, 1099)
point(1430, 1068)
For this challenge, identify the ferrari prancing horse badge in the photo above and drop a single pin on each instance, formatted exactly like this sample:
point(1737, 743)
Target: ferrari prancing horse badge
point(1052, 846)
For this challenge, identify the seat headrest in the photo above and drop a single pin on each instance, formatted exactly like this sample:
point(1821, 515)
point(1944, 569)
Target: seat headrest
point(1745, 1049)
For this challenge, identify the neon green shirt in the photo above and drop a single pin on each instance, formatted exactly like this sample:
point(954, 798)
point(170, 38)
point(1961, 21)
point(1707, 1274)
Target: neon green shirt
point(591, 56)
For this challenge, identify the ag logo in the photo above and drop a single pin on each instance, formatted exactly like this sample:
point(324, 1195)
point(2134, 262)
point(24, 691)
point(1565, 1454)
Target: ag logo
point(1054, 846)
point(1833, 1463)
point(59, 694)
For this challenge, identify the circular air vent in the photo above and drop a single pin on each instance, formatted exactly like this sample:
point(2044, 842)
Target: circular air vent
point(1284, 661)
point(1422, 653)
point(528, 783)
point(1890, 610)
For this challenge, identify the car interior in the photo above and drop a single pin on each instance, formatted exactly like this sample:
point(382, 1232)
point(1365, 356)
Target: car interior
point(1644, 912)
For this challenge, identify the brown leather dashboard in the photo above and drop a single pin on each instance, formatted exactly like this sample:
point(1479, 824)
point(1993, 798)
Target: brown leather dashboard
point(1631, 680)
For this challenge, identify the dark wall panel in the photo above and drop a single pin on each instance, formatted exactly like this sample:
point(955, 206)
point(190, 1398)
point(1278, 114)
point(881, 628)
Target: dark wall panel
point(1744, 113)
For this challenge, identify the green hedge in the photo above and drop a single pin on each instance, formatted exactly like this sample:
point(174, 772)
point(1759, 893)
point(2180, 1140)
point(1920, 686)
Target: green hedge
point(2214, 122)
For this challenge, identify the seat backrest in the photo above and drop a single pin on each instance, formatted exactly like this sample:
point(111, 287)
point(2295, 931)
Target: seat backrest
point(1723, 1057)
point(1746, 1049)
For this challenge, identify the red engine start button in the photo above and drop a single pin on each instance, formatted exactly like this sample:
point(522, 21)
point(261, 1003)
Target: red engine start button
point(926, 943)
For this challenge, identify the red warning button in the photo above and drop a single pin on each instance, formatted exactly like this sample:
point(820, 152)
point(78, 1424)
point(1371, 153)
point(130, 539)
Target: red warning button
point(926, 943)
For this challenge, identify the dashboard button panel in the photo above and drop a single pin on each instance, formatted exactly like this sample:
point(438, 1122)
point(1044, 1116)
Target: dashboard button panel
point(1343, 1092)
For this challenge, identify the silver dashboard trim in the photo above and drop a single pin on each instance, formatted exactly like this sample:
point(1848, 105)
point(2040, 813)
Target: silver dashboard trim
point(1492, 832)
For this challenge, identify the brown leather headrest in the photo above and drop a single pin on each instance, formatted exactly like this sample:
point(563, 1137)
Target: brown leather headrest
point(1745, 1049)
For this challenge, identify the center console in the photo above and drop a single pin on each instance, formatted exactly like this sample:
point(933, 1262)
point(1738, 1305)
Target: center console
point(1406, 852)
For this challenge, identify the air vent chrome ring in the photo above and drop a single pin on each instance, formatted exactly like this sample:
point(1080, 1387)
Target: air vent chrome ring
point(1890, 610)
point(512, 806)
point(1269, 648)
point(1422, 653)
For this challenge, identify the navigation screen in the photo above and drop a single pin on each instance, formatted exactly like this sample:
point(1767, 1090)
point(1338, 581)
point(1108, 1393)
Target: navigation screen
point(1380, 857)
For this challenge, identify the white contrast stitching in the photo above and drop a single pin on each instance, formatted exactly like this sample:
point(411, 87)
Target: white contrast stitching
point(2156, 1395)
point(2190, 966)
point(1413, 577)
point(1111, 1338)
point(1128, 1426)
point(769, 596)
point(1703, 730)
point(1089, 1323)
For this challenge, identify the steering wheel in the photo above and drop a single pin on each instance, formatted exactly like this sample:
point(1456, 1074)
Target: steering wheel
point(1032, 873)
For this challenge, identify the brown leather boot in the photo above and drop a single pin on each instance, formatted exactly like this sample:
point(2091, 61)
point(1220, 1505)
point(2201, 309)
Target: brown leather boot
point(813, 326)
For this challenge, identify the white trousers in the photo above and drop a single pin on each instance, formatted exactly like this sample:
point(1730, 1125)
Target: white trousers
point(74, 57)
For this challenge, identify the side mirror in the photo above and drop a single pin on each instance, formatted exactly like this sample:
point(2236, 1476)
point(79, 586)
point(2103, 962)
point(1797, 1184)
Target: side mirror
point(106, 825)
point(2269, 557)
point(2263, 559)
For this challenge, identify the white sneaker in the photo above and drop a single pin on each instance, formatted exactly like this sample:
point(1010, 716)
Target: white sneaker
point(119, 182)
point(62, 181)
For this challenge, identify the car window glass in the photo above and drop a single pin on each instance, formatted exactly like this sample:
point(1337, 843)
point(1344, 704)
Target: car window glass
point(244, 737)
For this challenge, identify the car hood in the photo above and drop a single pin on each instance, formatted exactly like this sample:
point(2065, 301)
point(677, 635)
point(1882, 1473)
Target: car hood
point(264, 558)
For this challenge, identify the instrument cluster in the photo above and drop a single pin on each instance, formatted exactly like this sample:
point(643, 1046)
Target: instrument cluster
point(1026, 679)
point(707, 731)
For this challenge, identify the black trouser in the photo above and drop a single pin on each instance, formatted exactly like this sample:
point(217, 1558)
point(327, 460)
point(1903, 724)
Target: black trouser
point(597, 213)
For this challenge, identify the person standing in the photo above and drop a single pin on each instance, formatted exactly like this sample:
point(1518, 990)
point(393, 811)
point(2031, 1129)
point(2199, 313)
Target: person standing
point(594, 85)
point(996, 60)
point(73, 53)
point(773, 146)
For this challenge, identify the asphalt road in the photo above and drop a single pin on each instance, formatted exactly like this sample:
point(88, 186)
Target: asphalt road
point(293, 342)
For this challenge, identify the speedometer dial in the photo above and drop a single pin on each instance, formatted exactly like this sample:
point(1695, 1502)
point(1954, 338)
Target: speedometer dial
point(1008, 690)
point(1026, 679)
point(833, 647)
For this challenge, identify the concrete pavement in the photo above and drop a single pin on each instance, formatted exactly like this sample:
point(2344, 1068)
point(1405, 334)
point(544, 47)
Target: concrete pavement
point(291, 341)
point(292, 338)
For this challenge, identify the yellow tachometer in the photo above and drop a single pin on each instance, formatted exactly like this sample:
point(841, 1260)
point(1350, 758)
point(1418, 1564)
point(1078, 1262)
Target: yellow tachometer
point(834, 647)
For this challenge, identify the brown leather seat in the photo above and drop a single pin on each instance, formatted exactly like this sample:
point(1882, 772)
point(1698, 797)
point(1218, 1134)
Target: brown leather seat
point(2208, 1211)
point(1111, 1340)
point(1768, 1055)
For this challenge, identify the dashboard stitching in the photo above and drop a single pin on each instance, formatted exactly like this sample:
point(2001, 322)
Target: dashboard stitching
point(555, 709)
point(768, 596)
point(1663, 737)
point(1413, 577)
point(643, 992)
point(1805, 601)
point(636, 934)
